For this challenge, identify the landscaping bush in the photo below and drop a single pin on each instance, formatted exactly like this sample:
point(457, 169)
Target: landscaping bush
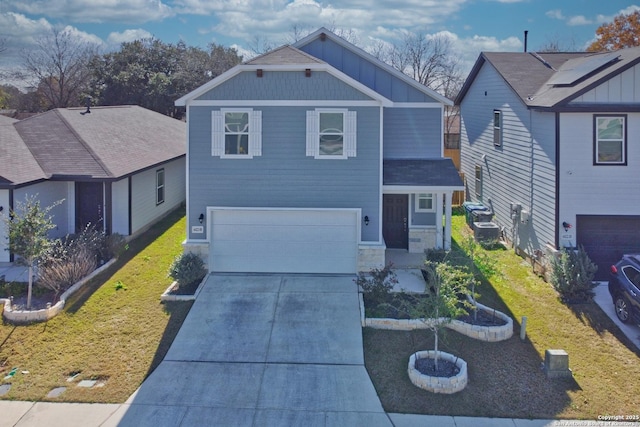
point(187, 268)
point(64, 265)
point(572, 274)
point(114, 245)
point(377, 284)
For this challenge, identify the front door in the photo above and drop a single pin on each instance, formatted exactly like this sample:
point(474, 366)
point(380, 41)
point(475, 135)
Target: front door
point(89, 205)
point(395, 212)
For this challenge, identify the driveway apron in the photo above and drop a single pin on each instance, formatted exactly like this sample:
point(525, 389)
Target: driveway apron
point(264, 350)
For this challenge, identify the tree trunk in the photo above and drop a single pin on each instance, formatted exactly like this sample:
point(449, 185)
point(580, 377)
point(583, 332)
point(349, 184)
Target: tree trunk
point(30, 287)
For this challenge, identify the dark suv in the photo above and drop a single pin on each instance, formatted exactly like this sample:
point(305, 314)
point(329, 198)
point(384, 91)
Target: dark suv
point(624, 287)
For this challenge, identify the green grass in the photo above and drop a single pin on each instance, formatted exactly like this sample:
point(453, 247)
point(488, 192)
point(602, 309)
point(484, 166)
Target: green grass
point(114, 329)
point(505, 379)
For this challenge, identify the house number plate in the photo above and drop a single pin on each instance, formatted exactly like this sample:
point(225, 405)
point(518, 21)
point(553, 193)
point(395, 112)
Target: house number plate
point(197, 229)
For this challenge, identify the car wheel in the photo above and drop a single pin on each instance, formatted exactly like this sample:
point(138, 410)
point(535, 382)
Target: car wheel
point(622, 309)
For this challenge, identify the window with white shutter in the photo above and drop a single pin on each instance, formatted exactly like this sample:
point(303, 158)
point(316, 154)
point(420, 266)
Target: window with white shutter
point(331, 133)
point(236, 134)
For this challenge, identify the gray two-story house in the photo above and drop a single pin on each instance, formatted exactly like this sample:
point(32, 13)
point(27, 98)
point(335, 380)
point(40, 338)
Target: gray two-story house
point(315, 158)
point(550, 143)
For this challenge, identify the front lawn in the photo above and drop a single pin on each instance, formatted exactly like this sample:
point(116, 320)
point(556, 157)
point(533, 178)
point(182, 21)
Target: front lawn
point(114, 330)
point(505, 378)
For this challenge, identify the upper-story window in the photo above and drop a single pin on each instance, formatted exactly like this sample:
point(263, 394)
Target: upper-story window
point(159, 186)
point(497, 128)
point(610, 140)
point(424, 202)
point(331, 133)
point(236, 133)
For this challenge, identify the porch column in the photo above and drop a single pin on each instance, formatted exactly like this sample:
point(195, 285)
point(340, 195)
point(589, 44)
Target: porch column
point(439, 214)
point(448, 200)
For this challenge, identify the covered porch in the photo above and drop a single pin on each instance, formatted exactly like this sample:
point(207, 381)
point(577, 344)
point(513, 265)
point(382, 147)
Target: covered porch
point(417, 203)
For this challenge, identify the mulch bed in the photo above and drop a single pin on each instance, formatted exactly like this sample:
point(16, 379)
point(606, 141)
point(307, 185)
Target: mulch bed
point(445, 368)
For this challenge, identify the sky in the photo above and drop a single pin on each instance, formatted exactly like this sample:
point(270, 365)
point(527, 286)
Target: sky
point(472, 26)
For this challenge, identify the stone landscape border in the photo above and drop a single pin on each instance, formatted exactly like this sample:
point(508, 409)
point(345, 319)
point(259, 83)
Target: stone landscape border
point(42, 315)
point(483, 333)
point(168, 296)
point(446, 385)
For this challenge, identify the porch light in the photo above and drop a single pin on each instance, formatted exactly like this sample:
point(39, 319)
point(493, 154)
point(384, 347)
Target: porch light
point(201, 218)
point(366, 220)
point(566, 226)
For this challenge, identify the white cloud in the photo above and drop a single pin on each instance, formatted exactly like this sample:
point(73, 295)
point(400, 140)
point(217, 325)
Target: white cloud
point(116, 39)
point(578, 20)
point(555, 14)
point(121, 11)
point(605, 19)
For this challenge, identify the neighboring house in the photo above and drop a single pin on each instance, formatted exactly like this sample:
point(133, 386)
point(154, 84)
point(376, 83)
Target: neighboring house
point(549, 143)
point(119, 168)
point(315, 158)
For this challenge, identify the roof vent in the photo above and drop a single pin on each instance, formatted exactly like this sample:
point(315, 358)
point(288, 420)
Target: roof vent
point(88, 110)
point(323, 36)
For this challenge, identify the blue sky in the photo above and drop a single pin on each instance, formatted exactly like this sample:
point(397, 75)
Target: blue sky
point(472, 25)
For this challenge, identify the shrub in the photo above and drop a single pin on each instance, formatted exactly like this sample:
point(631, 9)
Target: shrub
point(65, 265)
point(114, 245)
point(378, 283)
point(572, 274)
point(187, 268)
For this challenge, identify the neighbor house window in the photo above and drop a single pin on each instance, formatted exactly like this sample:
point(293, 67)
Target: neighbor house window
point(236, 133)
point(479, 182)
point(610, 140)
point(159, 186)
point(331, 134)
point(424, 202)
point(497, 128)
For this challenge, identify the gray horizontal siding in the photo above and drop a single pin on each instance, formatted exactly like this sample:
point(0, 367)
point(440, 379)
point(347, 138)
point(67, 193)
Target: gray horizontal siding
point(284, 85)
point(284, 176)
point(522, 170)
point(366, 72)
point(412, 133)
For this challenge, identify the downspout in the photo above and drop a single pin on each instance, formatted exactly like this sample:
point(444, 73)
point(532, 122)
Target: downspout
point(557, 198)
point(11, 207)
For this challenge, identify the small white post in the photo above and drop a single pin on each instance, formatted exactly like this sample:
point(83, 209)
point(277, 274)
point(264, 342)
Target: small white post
point(523, 328)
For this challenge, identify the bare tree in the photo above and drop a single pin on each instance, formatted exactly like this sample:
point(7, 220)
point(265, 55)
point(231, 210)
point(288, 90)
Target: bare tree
point(58, 67)
point(429, 60)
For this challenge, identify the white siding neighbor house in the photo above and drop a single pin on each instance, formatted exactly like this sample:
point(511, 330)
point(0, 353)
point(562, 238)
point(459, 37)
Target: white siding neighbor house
point(550, 143)
point(118, 168)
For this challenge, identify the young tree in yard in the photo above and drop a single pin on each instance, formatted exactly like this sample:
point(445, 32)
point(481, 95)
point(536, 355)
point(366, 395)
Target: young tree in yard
point(623, 32)
point(447, 283)
point(27, 227)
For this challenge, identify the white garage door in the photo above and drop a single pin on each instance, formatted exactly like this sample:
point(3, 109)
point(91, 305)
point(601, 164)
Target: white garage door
point(284, 241)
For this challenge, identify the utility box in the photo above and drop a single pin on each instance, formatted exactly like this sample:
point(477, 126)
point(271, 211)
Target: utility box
point(485, 231)
point(556, 364)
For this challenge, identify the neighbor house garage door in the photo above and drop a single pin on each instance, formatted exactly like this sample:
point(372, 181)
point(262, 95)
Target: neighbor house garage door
point(606, 238)
point(284, 240)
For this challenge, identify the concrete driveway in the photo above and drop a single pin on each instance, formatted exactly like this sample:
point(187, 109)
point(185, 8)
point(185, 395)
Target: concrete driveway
point(260, 350)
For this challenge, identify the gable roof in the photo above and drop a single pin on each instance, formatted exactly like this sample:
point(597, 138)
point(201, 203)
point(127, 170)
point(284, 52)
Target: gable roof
point(284, 58)
point(284, 55)
point(552, 80)
point(323, 32)
point(107, 143)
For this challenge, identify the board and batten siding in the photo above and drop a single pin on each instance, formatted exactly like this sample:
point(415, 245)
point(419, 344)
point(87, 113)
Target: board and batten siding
point(144, 210)
point(622, 88)
point(284, 176)
point(282, 85)
point(521, 170)
point(4, 202)
point(586, 189)
point(412, 133)
point(366, 72)
point(120, 207)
